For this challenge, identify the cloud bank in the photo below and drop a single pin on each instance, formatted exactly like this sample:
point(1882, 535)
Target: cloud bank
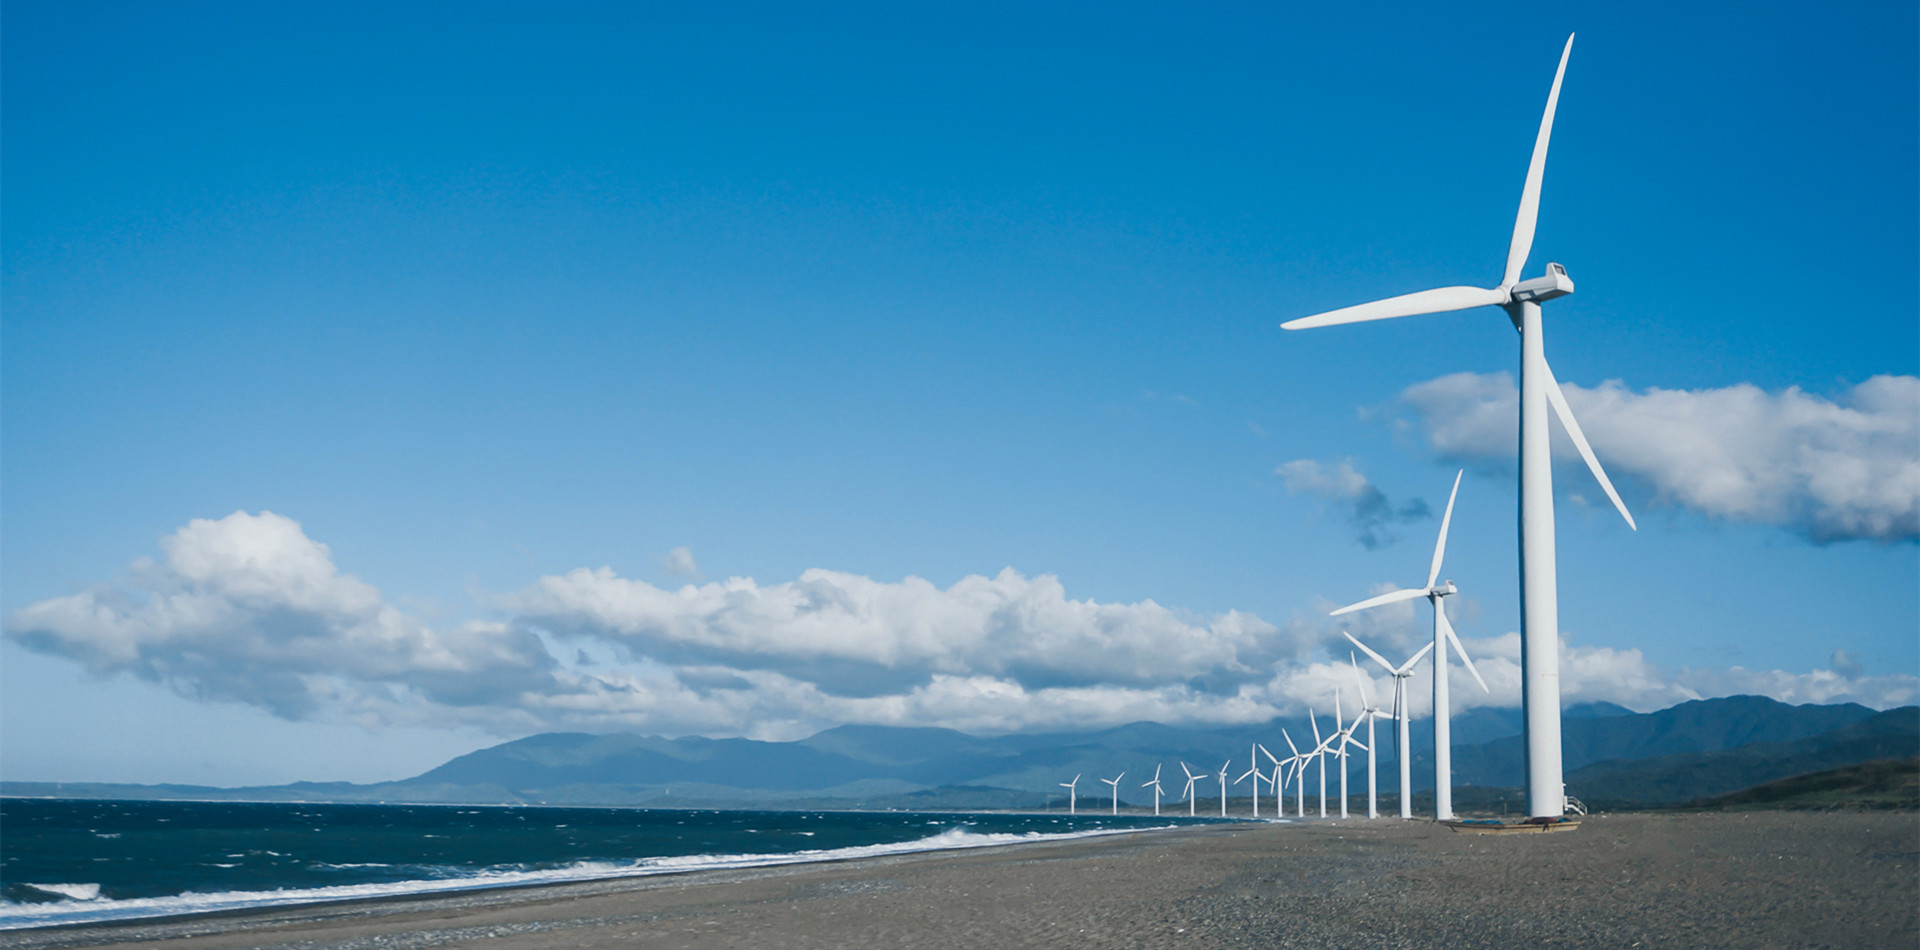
point(1830, 470)
point(249, 609)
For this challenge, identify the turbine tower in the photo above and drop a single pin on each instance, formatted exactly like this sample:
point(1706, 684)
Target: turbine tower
point(1069, 787)
point(1154, 783)
point(1442, 635)
point(1223, 787)
point(1401, 742)
point(1115, 782)
point(1539, 603)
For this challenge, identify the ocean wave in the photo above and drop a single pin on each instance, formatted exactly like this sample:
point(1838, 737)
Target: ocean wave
point(84, 905)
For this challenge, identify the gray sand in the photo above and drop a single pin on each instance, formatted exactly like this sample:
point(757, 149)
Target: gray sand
point(1767, 879)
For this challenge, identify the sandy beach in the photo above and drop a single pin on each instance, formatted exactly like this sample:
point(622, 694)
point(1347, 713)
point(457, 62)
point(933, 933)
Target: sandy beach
point(1764, 879)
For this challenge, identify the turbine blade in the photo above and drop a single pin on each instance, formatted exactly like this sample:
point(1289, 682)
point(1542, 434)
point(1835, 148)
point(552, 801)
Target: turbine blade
point(1359, 745)
point(1446, 521)
point(1290, 745)
point(1423, 651)
point(1269, 755)
point(1447, 626)
point(1366, 697)
point(1391, 597)
point(1565, 412)
point(1530, 195)
point(1437, 300)
point(1377, 658)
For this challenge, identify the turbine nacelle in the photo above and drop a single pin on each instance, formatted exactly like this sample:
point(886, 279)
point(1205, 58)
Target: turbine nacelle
point(1555, 283)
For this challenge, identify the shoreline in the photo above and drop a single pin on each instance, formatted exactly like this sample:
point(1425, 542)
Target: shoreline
point(160, 910)
point(1723, 879)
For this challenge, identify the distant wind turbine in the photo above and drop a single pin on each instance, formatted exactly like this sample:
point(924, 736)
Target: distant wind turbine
point(1191, 778)
point(1320, 749)
point(1369, 712)
point(1115, 782)
point(1069, 786)
point(1345, 735)
point(1223, 787)
point(1442, 635)
point(1402, 746)
point(1539, 593)
point(1154, 784)
point(1253, 772)
point(1279, 802)
point(1299, 763)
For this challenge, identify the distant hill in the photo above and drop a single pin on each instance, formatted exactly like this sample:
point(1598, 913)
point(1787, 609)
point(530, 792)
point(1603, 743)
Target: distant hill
point(1672, 779)
point(1615, 758)
point(1882, 784)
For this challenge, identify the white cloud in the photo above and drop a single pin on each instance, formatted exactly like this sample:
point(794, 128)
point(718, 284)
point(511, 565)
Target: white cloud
point(834, 625)
point(1367, 509)
point(248, 609)
point(1831, 470)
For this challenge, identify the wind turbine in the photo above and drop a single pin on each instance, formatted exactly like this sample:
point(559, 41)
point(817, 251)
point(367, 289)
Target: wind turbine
point(1157, 790)
point(1539, 596)
point(1069, 787)
point(1369, 712)
point(1442, 635)
point(1223, 787)
point(1299, 763)
point(1401, 742)
point(1115, 782)
point(1345, 735)
point(1191, 778)
point(1253, 771)
point(1279, 801)
point(1320, 749)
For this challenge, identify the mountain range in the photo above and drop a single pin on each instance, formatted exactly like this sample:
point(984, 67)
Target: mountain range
point(1615, 758)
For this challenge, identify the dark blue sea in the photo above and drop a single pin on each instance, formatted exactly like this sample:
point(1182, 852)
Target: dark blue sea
point(67, 861)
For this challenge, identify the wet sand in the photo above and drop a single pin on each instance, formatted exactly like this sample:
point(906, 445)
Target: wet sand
point(1761, 879)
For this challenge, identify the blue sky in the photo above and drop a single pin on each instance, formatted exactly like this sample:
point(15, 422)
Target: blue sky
point(477, 296)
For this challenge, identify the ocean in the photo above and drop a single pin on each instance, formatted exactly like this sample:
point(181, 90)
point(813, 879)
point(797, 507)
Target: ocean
point(68, 861)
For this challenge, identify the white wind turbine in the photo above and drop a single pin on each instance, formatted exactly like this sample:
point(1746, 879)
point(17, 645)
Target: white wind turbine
point(1253, 772)
point(1369, 712)
point(1188, 793)
point(1279, 801)
point(1539, 600)
point(1320, 749)
point(1154, 784)
point(1442, 635)
point(1299, 765)
point(1069, 786)
point(1345, 735)
point(1401, 742)
point(1115, 782)
point(1223, 787)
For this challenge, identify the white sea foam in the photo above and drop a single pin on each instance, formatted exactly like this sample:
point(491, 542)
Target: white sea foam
point(72, 892)
point(85, 906)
